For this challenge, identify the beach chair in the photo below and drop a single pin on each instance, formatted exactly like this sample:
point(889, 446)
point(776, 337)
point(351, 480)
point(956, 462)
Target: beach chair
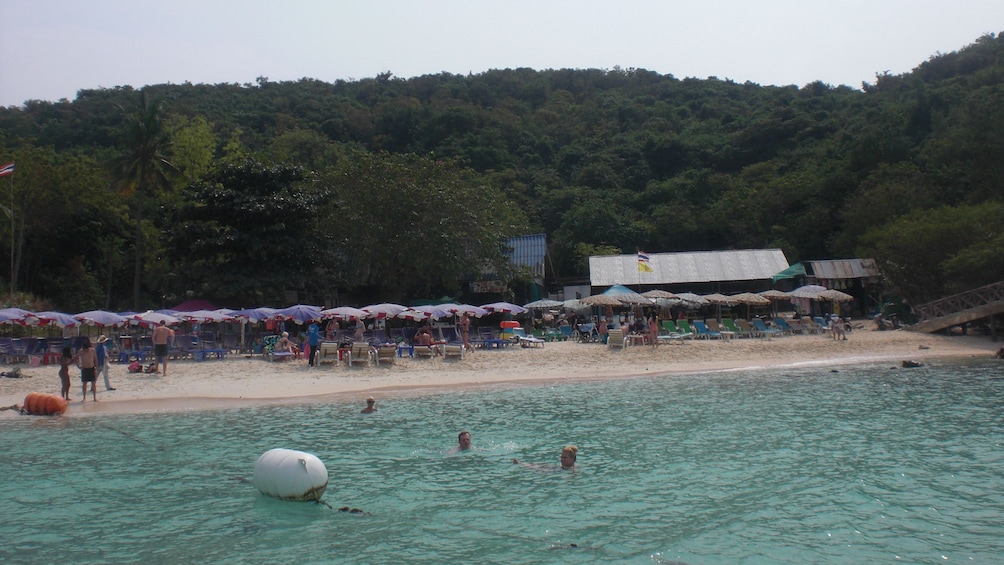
point(327, 352)
point(386, 355)
point(268, 349)
point(731, 326)
point(684, 327)
point(451, 350)
point(724, 332)
point(527, 340)
point(809, 326)
point(424, 351)
point(703, 332)
point(359, 354)
point(615, 339)
point(763, 331)
point(782, 324)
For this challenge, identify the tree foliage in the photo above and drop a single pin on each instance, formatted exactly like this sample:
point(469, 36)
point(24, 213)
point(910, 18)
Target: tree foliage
point(623, 158)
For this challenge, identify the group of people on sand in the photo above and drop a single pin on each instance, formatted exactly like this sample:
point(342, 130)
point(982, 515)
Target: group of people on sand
point(567, 458)
point(90, 359)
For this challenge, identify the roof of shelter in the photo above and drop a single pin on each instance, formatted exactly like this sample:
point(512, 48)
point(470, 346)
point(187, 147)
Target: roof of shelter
point(844, 269)
point(690, 267)
point(529, 251)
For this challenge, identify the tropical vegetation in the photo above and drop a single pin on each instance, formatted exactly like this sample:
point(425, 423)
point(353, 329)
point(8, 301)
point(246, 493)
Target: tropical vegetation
point(380, 188)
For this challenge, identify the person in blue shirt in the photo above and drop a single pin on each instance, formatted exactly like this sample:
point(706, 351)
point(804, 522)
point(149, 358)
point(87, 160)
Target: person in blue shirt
point(102, 351)
point(314, 339)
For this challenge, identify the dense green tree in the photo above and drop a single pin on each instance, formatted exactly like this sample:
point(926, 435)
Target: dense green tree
point(410, 225)
point(143, 170)
point(251, 231)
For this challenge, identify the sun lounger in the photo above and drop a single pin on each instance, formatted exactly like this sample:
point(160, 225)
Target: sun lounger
point(327, 352)
point(359, 354)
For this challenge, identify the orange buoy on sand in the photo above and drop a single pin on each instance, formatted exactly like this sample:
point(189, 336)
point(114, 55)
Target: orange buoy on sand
point(42, 404)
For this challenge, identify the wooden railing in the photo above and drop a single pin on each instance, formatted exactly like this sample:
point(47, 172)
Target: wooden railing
point(954, 304)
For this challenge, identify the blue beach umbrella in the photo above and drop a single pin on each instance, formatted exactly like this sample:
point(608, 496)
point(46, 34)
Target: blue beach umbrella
point(101, 318)
point(299, 313)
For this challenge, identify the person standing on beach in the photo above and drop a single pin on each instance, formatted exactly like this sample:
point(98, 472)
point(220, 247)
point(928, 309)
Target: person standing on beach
point(87, 360)
point(102, 350)
point(313, 340)
point(65, 360)
point(465, 331)
point(161, 335)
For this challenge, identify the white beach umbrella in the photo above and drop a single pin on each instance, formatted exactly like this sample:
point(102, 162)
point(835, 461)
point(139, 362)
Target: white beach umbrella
point(344, 313)
point(151, 318)
point(504, 307)
point(384, 310)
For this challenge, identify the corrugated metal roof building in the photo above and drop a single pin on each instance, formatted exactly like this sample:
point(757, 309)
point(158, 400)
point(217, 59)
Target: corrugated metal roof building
point(529, 251)
point(839, 273)
point(692, 268)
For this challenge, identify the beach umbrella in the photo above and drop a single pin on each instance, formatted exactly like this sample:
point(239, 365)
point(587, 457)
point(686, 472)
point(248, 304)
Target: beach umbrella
point(433, 311)
point(750, 298)
point(810, 291)
point(203, 316)
point(690, 299)
point(626, 295)
point(469, 309)
point(299, 313)
point(505, 307)
point(774, 294)
point(384, 310)
point(17, 316)
point(577, 305)
point(544, 303)
point(343, 313)
point(654, 294)
point(833, 295)
point(57, 319)
point(101, 318)
point(719, 299)
point(254, 314)
point(602, 300)
point(151, 318)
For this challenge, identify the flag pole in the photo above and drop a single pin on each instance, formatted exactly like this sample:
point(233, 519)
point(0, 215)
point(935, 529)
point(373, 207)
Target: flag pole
point(12, 228)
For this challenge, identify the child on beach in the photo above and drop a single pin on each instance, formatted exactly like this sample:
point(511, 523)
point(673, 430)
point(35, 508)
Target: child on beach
point(64, 371)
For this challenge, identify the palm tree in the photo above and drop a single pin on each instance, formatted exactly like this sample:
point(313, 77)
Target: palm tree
point(143, 169)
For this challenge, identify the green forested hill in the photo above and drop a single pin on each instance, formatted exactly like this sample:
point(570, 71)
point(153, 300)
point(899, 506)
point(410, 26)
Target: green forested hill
point(599, 160)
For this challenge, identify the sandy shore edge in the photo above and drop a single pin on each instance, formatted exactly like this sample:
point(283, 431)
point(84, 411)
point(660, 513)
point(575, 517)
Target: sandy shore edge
point(242, 381)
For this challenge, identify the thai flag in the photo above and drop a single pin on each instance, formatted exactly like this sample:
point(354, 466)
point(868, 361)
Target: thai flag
point(7, 169)
point(643, 262)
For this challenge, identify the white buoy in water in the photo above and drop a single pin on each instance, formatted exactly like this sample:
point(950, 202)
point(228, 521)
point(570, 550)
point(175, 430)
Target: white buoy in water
point(288, 474)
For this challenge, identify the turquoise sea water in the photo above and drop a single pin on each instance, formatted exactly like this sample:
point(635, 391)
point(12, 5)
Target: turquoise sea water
point(867, 464)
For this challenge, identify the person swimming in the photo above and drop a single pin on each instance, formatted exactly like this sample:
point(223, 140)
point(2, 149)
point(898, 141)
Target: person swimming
point(568, 456)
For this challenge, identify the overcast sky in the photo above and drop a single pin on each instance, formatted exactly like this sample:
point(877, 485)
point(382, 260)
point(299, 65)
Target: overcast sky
point(50, 49)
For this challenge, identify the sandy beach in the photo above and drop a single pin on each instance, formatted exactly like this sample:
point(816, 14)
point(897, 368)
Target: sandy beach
point(243, 380)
